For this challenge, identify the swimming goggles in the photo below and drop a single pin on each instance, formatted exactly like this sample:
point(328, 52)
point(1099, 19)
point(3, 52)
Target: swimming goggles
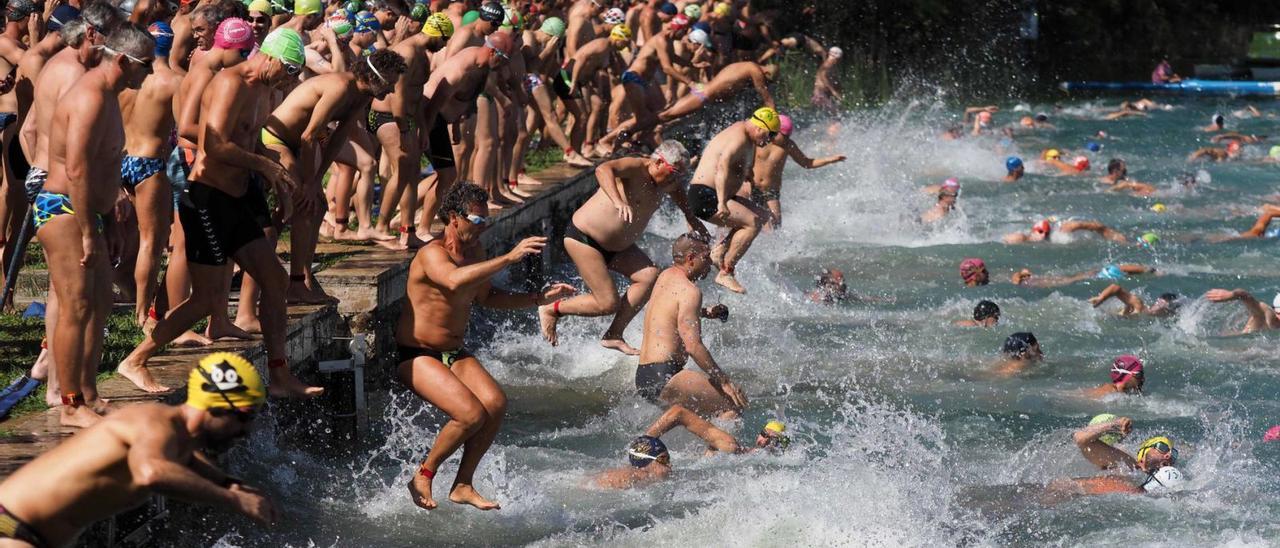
point(478, 220)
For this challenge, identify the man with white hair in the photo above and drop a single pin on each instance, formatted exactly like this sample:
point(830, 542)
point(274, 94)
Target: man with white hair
point(602, 237)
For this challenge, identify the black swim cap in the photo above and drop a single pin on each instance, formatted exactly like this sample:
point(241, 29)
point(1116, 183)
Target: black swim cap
point(986, 309)
point(647, 449)
point(492, 12)
point(1018, 343)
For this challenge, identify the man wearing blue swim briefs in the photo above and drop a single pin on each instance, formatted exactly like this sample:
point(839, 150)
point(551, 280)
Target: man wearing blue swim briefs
point(148, 134)
point(74, 213)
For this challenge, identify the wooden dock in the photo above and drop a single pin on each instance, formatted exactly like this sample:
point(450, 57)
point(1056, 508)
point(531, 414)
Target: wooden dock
point(370, 282)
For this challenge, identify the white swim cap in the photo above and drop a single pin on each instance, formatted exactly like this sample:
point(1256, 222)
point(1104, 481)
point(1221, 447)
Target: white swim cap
point(1166, 479)
point(835, 52)
point(1275, 303)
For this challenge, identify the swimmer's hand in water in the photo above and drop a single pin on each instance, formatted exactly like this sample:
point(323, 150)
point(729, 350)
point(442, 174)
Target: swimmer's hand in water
point(252, 504)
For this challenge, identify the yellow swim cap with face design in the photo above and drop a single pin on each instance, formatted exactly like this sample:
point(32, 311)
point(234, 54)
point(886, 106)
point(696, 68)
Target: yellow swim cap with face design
point(767, 119)
point(224, 380)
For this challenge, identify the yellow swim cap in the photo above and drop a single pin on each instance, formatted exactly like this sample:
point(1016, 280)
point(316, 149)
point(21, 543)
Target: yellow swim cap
point(1160, 443)
point(1052, 153)
point(621, 32)
point(1158, 208)
point(260, 6)
point(306, 7)
point(224, 380)
point(767, 119)
point(775, 426)
point(438, 24)
point(721, 9)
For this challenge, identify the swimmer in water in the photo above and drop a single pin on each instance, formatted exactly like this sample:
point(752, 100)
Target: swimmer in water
point(1039, 121)
point(1053, 158)
point(650, 461)
point(139, 451)
point(1126, 110)
point(1217, 123)
point(1117, 179)
point(830, 287)
point(1020, 351)
point(1262, 227)
point(1015, 168)
point(1043, 230)
point(985, 314)
point(982, 118)
point(947, 196)
point(1261, 316)
point(1127, 377)
point(1237, 136)
point(1153, 463)
point(952, 133)
point(1113, 272)
point(1166, 305)
point(1231, 152)
point(973, 272)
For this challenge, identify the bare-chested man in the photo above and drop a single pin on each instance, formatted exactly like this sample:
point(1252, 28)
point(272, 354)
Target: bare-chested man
point(73, 213)
point(766, 178)
point(727, 162)
point(673, 334)
point(581, 28)
point(602, 56)
point(394, 121)
point(602, 238)
point(219, 211)
point(298, 136)
point(20, 15)
point(137, 452)
point(149, 121)
point(446, 278)
point(541, 52)
point(451, 94)
point(640, 92)
point(826, 86)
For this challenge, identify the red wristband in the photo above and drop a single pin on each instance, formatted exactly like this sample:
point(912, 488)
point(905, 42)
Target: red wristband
point(277, 363)
point(424, 472)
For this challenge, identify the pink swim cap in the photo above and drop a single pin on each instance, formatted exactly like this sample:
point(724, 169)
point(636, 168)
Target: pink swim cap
point(951, 185)
point(1273, 434)
point(234, 33)
point(784, 124)
point(1124, 366)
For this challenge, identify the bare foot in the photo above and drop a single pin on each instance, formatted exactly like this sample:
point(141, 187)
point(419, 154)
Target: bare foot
point(577, 160)
point(191, 339)
point(297, 292)
point(466, 494)
point(99, 405)
point(393, 245)
point(285, 385)
point(729, 282)
point(326, 230)
point(619, 345)
point(139, 375)
point(250, 325)
point(527, 180)
point(426, 236)
point(547, 317)
point(508, 196)
point(343, 234)
point(379, 235)
point(78, 417)
point(494, 204)
point(522, 194)
point(318, 296)
point(420, 492)
point(226, 330)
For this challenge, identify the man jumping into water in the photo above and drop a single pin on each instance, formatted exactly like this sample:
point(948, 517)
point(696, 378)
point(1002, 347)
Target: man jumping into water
point(766, 175)
point(673, 334)
point(136, 452)
point(446, 277)
point(602, 238)
point(726, 163)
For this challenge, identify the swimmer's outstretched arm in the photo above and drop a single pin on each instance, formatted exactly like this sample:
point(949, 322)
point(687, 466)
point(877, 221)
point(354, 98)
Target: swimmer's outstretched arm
point(1269, 212)
point(679, 416)
point(1095, 227)
point(689, 327)
point(793, 150)
point(1132, 303)
point(1260, 315)
point(153, 463)
point(1100, 454)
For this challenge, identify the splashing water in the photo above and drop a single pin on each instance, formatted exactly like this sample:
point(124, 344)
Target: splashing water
point(901, 437)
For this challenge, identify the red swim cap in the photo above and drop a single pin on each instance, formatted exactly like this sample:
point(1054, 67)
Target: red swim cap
point(1081, 163)
point(1042, 227)
point(1124, 366)
point(233, 33)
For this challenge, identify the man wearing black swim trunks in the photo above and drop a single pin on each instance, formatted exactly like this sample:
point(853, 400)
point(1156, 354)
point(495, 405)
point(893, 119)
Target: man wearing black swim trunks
point(218, 211)
point(447, 277)
point(602, 238)
point(673, 334)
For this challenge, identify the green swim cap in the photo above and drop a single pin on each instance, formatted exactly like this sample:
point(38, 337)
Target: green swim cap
point(286, 45)
point(1149, 239)
point(555, 27)
point(354, 6)
point(1110, 438)
point(470, 17)
point(1274, 152)
point(306, 7)
point(419, 12)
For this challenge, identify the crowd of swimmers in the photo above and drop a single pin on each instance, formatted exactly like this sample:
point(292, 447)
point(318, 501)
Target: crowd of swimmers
point(156, 151)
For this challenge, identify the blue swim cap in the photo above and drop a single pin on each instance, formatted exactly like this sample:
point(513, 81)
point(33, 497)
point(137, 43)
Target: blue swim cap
point(1013, 163)
point(703, 26)
point(647, 449)
point(366, 22)
point(1111, 272)
point(1093, 147)
point(1272, 233)
point(163, 34)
